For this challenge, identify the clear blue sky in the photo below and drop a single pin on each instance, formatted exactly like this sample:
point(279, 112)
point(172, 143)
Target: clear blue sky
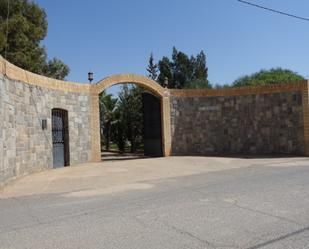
point(117, 36)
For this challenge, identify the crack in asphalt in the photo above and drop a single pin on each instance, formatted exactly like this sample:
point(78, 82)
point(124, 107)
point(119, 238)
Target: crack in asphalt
point(200, 240)
point(263, 244)
point(283, 237)
point(178, 230)
point(235, 203)
point(183, 232)
point(187, 233)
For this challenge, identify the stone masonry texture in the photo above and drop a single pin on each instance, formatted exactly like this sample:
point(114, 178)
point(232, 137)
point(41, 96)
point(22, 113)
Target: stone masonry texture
point(252, 124)
point(24, 146)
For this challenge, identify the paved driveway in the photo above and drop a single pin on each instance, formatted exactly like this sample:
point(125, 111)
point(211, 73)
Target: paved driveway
point(176, 202)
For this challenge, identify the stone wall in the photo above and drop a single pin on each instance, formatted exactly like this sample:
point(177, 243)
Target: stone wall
point(27, 98)
point(24, 146)
point(259, 120)
point(264, 123)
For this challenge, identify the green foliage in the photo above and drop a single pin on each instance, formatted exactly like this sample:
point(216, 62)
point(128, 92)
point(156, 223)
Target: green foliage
point(217, 86)
point(265, 77)
point(108, 106)
point(118, 130)
point(182, 71)
point(152, 68)
point(198, 84)
point(199, 66)
point(130, 106)
point(27, 27)
point(165, 68)
point(56, 69)
point(122, 118)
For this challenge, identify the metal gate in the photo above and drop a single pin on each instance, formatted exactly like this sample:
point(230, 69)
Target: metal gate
point(152, 125)
point(60, 135)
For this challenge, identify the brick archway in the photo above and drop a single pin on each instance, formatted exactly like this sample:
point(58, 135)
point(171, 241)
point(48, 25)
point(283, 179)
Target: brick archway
point(142, 81)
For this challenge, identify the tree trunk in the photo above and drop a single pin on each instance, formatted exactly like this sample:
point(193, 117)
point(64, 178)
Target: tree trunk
point(107, 136)
point(133, 144)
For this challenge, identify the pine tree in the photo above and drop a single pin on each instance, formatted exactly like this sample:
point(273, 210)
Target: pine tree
point(152, 68)
point(165, 69)
point(182, 68)
point(200, 68)
point(26, 27)
point(183, 71)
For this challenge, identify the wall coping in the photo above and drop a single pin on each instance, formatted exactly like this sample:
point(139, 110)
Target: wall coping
point(236, 91)
point(16, 73)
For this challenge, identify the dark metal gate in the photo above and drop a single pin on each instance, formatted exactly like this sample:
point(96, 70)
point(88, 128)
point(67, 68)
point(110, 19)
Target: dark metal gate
point(60, 135)
point(152, 125)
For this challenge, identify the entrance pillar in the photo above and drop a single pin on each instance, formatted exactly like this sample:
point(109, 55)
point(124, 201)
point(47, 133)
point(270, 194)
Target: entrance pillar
point(95, 128)
point(166, 123)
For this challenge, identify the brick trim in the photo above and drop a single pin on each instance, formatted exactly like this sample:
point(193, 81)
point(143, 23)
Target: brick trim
point(143, 81)
point(16, 73)
point(236, 91)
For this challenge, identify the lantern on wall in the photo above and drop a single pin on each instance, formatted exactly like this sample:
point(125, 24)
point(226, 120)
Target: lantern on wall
point(44, 124)
point(90, 76)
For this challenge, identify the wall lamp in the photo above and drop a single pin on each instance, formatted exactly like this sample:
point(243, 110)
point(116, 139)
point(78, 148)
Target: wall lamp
point(44, 124)
point(90, 76)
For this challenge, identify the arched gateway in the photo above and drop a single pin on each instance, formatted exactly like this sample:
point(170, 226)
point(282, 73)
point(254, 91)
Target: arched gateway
point(40, 116)
point(142, 81)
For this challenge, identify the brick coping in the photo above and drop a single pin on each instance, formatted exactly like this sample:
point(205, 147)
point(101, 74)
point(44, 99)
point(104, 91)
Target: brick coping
point(237, 91)
point(19, 74)
point(16, 73)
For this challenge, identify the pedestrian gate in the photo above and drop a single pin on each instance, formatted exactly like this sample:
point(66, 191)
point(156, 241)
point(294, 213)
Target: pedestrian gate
point(60, 136)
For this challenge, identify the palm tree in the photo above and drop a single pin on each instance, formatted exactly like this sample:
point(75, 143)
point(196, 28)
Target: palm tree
point(108, 106)
point(130, 107)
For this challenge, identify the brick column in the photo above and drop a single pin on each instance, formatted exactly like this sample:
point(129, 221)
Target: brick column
point(166, 123)
point(95, 128)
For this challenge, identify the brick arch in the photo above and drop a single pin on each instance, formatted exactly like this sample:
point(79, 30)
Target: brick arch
point(142, 81)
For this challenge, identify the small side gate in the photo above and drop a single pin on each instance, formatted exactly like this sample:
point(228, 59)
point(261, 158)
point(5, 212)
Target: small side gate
point(60, 136)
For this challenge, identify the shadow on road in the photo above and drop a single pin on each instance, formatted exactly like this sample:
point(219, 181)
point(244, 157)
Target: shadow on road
point(117, 156)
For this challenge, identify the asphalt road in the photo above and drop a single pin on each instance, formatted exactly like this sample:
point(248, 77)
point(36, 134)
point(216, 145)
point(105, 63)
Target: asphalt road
point(248, 203)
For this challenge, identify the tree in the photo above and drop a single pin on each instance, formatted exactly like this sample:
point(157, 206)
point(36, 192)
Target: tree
point(197, 84)
point(122, 118)
point(165, 69)
point(217, 86)
point(265, 77)
point(108, 106)
point(184, 71)
point(182, 68)
point(56, 69)
point(118, 129)
point(130, 103)
point(152, 68)
point(20, 38)
point(200, 68)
